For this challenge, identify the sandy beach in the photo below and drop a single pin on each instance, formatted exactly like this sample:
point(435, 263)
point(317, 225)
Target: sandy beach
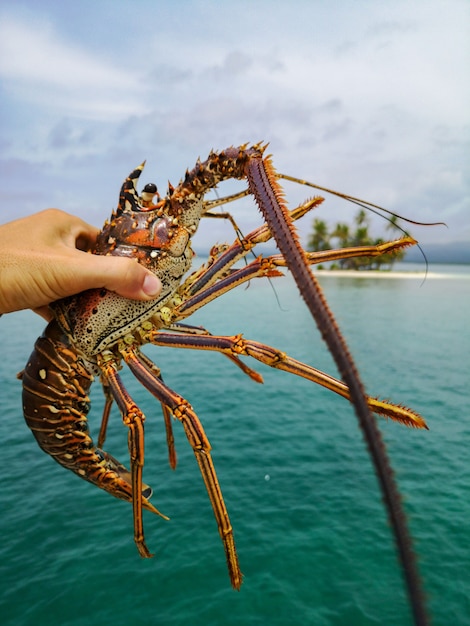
point(418, 275)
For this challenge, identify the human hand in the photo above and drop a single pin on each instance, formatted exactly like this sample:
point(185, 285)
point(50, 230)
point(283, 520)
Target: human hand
point(44, 257)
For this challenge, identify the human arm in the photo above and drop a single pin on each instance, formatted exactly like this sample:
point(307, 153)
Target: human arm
point(44, 257)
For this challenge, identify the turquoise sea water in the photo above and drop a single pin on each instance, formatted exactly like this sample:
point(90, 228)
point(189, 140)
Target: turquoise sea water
point(312, 535)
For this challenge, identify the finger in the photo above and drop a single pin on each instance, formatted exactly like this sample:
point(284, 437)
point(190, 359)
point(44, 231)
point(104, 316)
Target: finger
point(124, 276)
point(86, 241)
point(84, 236)
point(57, 228)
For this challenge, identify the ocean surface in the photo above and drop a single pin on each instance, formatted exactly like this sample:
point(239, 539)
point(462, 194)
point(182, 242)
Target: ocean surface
point(312, 535)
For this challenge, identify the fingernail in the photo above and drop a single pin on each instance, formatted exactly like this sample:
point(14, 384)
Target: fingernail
point(152, 285)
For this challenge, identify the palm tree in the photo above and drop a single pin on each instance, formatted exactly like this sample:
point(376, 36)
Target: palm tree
point(399, 254)
point(361, 218)
point(320, 238)
point(342, 233)
point(392, 223)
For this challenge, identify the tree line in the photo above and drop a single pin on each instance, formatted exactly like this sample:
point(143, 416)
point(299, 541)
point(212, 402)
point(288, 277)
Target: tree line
point(343, 235)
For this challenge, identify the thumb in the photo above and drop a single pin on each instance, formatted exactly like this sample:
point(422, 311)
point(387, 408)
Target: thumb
point(126, 277)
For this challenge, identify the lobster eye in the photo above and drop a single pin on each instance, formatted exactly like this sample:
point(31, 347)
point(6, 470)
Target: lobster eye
point(150, 188)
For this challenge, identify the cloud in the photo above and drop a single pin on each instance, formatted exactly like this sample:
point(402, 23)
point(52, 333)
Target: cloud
point(38, 65)
point(372, 100)
point(234, 64)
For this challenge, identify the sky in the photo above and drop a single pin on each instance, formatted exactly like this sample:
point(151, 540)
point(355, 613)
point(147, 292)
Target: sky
point(367, 98)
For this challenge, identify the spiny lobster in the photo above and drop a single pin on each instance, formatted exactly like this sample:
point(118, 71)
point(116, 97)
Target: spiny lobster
point(95, 331)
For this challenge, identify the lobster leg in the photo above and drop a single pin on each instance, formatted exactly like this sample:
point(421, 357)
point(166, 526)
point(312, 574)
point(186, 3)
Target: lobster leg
point(167, 414)
point(262, 234)
point(165, 410)
point(197, 438)
point(266, 267)
point(198, 330)
point(239, 249)
point(237, 345)
point(325, 256)
point(220, 267)
point(134, 419)
point(108, 402)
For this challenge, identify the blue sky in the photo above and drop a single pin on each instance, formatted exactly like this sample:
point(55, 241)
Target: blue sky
point(370, 98)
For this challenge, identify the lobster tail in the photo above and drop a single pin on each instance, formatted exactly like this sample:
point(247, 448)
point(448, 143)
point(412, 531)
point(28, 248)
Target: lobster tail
point(56, 382)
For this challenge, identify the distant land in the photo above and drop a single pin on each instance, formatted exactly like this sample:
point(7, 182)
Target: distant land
point(456, 252)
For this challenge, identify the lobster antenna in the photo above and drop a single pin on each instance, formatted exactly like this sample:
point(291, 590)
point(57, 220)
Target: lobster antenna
point(369, 206)
point(363, 203)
